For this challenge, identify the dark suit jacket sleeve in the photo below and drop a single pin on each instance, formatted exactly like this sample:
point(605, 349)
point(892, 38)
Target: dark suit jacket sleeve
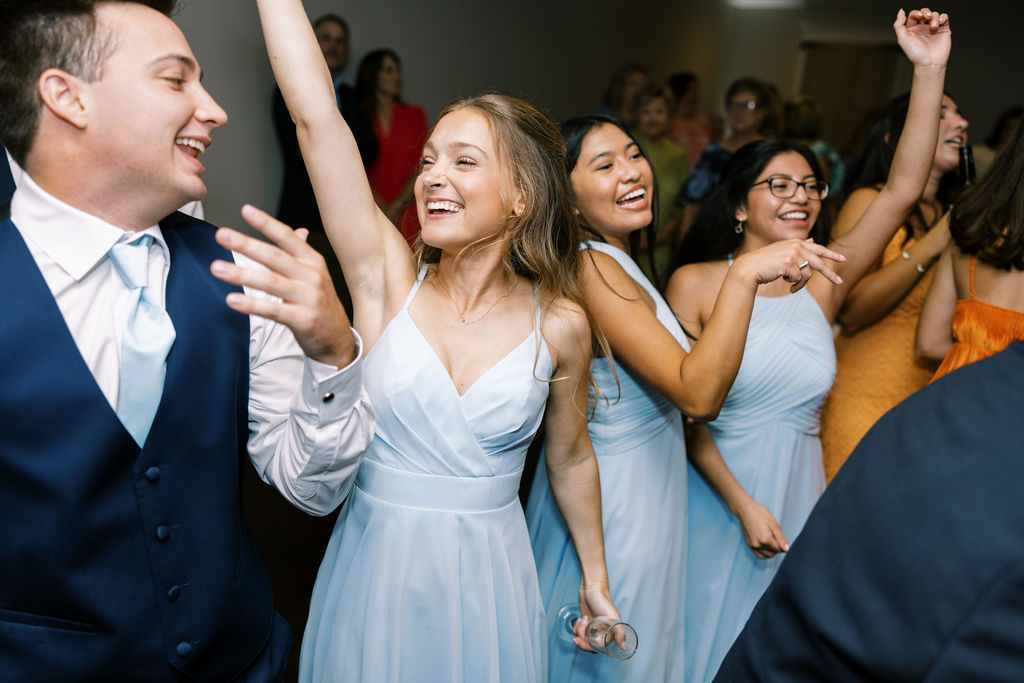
point(987, 646)
point(285, 129)
point(362, 129)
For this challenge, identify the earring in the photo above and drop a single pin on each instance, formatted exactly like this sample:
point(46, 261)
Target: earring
point(739, 227)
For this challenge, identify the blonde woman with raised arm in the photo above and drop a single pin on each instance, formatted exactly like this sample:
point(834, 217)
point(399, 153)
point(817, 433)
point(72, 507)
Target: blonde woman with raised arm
point(470, 342)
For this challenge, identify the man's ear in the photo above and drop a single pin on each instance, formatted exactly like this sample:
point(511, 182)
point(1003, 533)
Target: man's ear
point(65, 96)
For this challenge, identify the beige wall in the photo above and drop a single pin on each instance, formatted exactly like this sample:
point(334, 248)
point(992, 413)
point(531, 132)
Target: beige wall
point(558, 54)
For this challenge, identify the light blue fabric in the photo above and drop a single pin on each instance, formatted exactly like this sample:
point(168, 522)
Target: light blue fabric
point(767, 433)
point(428, 576)
point(638, 438)
point(148, 336)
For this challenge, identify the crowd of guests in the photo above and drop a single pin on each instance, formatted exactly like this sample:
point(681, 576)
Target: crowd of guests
point(499, 300)
point(728, 223)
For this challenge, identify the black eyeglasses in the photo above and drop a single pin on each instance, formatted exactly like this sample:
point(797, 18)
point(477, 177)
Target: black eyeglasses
point(784, 188)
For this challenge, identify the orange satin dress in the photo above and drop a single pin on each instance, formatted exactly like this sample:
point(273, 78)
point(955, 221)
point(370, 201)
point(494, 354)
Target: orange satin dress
point(980, 329)
point(876, 368)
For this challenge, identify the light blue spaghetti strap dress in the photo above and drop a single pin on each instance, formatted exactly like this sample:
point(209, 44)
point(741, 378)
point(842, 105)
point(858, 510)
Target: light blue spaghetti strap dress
point(428, 576)
point(767, 433)
point(641, 455)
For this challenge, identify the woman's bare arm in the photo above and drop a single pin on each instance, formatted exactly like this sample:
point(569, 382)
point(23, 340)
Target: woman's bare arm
point(375, 259)
point(924, 37)
point(882, 290)
point(761, 530)
point(569, 455)
point(935, 325)
point(696, 382)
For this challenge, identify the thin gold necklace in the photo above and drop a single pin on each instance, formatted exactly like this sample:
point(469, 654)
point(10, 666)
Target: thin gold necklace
point(462, 314)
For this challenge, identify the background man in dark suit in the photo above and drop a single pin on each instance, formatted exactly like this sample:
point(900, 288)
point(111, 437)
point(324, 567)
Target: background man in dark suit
point(911, 566)
point(6, 179)
point(126, 556)
point(298, 205)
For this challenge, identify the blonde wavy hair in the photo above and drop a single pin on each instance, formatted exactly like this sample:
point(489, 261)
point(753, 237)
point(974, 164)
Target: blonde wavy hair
point(541, 244)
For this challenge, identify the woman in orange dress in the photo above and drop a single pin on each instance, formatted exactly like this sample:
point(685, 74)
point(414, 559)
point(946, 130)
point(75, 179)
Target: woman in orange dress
point(876, 364)
point(975, 306)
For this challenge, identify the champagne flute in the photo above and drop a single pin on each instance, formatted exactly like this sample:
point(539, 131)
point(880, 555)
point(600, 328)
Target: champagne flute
point(606, 635)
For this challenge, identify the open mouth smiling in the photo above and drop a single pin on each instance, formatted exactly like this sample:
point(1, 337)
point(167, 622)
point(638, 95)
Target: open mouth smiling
point(443, 207)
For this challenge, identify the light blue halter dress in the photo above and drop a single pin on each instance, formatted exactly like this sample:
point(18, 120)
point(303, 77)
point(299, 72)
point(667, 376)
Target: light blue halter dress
point(767, 433)
point(428, 576)
point(638, 437)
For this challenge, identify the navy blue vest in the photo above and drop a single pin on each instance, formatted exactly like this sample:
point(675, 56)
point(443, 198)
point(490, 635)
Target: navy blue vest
point(116, 563)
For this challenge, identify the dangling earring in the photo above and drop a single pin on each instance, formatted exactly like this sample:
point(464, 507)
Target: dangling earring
point(739, 227)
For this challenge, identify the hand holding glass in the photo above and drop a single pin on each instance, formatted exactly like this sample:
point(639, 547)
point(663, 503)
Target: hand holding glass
point(606, 635)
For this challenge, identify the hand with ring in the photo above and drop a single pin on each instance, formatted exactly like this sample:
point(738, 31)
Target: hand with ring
point(793, 260)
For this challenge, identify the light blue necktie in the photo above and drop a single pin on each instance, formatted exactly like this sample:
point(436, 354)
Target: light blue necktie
point(148, 335)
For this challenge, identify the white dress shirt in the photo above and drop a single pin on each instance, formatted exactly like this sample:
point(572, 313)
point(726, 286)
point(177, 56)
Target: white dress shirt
point(309, 423)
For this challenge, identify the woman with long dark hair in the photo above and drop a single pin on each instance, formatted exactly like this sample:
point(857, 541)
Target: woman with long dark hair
point(763, 450)
point(637, 429)
point(975, 305)
point(876, 365)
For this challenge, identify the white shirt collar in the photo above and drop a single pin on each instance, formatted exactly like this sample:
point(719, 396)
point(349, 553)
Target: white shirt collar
point(74, 239)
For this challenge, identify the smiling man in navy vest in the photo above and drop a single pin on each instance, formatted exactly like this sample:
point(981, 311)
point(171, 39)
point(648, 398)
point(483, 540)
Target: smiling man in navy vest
point(125, 556)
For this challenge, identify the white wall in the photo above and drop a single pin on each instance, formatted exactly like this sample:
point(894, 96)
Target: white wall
point(559, 55)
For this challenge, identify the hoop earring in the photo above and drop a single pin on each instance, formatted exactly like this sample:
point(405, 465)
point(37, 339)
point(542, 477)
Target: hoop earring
point(739, 227)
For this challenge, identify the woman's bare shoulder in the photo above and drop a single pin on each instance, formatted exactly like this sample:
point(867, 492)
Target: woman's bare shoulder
point(696, 281)
point(566, 329)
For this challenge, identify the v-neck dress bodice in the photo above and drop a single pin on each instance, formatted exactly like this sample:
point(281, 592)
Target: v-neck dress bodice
point(428, 575)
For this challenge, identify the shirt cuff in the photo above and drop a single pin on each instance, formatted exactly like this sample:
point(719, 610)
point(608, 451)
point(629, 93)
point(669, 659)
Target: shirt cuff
point(331, 392)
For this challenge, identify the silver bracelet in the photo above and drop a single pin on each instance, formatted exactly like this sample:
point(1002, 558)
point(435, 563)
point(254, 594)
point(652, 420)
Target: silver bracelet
point(906, 257)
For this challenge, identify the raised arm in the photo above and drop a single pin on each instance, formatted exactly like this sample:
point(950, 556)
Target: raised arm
point(375, 259)
point(935, 325)
point(569, 455)
point(924, 37)
point(696, 382)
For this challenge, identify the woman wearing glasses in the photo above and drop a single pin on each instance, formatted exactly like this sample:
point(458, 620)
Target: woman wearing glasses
point(750, 105)
point(636, 428)
point(759, 463)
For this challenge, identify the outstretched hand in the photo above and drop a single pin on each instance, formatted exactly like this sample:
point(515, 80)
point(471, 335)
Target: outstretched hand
point(924, 36)
point(297, 276)
point(793, 260)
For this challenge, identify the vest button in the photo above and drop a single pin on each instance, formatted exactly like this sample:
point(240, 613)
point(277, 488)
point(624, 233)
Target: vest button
point(153, 473)
point(162, 533)
point(173, 593)
point(328, 397)
point(184, 649)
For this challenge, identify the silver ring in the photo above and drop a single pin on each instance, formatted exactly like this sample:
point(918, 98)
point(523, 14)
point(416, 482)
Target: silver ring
point(803, 265)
